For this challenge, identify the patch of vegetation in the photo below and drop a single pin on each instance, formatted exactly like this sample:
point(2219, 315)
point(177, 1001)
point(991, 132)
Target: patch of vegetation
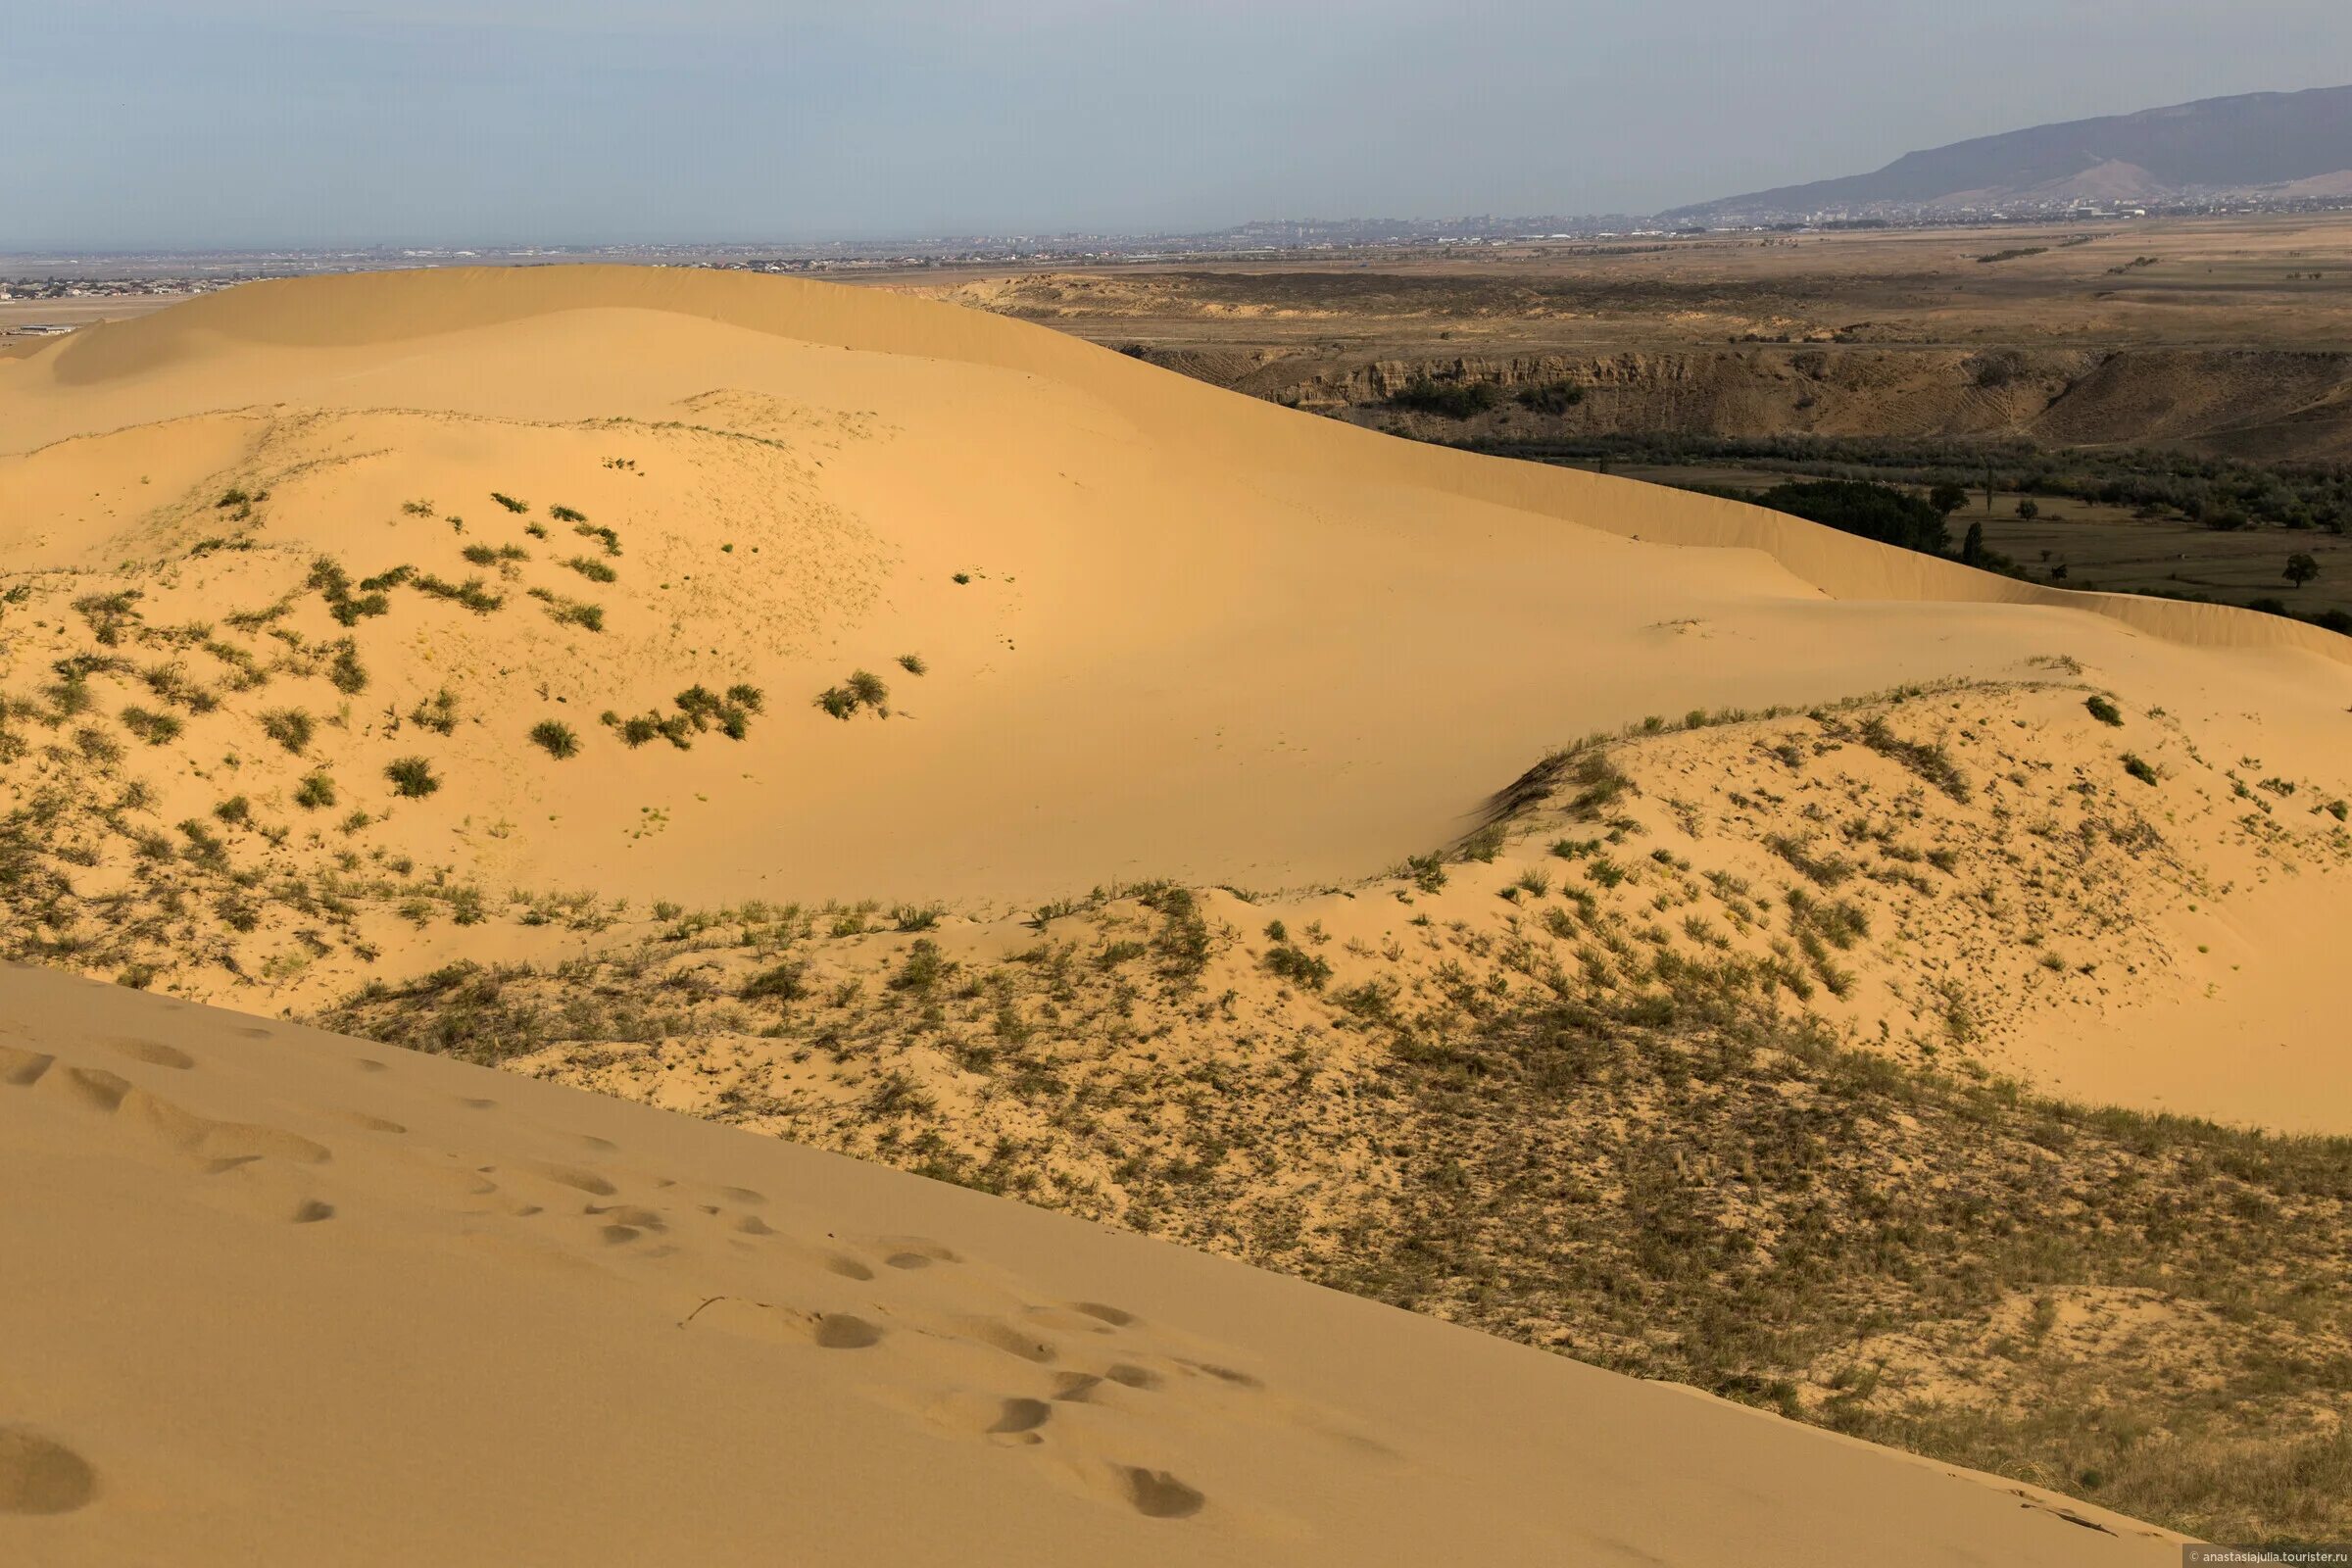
point(1877, 512)
point(571, 611)
point(1930, 761)
point(2139, 768)
point(1552, 397)
point(437, 712)
point(333, 584)
point(290, 727)
point(863, 689)
point(2105, 712)
point(785, 982)
point(344, 670)
point(314, 792)
point(156, 729)
point(472, 593)
point(508, 502)
point(1453, 400)
point(593, 570)
point(1298, 966)
point(411, 777)
point(913, 664)
point(555, 738)
point(109, 616)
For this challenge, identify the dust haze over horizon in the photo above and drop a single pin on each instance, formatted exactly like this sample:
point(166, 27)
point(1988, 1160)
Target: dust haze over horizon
point(135, 125)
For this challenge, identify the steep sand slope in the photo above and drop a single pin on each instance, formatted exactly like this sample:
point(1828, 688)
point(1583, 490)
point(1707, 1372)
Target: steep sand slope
point(291, 1297)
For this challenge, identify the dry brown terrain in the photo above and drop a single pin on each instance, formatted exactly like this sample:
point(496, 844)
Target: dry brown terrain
point(2227, 337)
point(725, 692)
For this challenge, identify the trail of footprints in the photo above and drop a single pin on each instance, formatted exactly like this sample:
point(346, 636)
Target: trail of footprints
point(1084, 1385)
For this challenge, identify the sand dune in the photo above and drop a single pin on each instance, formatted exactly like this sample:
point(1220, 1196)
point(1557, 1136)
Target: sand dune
point(296, 1300)
point(1165, 631)
point(349, 626)
point(1194, 635)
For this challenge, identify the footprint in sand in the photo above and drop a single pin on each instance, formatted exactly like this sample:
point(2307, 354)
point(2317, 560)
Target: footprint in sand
point(572, 1176)
point(765, 1320)
point(19, 1069)
point(94, 1087)
point(40, 1475)
point(1158, 1495)
point(151, 1052)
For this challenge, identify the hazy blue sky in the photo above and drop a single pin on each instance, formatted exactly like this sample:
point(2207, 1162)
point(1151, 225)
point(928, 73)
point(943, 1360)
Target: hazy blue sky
point(145, 124)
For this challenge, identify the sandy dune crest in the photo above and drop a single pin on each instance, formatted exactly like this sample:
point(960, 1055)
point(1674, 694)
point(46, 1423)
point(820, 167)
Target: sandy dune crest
point(293, 1297)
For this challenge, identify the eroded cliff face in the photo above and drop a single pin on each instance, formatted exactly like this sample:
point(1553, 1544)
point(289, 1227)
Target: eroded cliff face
point(2246, 402)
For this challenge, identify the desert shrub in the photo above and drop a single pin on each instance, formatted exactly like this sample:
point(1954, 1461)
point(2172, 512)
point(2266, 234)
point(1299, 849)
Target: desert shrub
point(786, 982)
point(494, 554)
point(236, 811)
point(557, 740)
point(747, 697)
point(2105, 712)
point(1298, 966)
point(571, 611)
point(290, 727)
point(1182, 940)
point(97, 746)
point(411, 777)
point(108, 615)
point(566, 514)
point(508, 502)
point(437, 712)
point(156, 729)
point(913, 664)
point(1827, 871)
point(1599, 782)
point(1428, 873)
point(1928, 759)
point(2139, 768)
point(1482, 845)
point(925, 967)
point(589, 530)
point(703, 708)
point(315, 792)
point(333, 584)
point(593, 570)
point(635, 732)
point(472, 593)
point(916, 917)
point(344, 670)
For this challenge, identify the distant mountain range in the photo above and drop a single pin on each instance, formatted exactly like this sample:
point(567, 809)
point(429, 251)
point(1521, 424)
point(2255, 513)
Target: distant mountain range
point(2276, 145)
